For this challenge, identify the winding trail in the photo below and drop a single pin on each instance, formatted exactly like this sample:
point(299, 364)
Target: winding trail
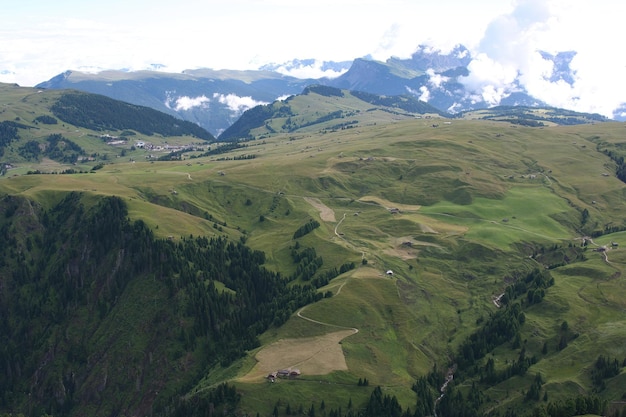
point(299, 314)
point(337, 226)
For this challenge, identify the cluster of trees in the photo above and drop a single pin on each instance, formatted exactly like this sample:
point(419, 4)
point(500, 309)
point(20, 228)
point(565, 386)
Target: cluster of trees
point(363, 382)
point(221, 400)
point(534, 391)
point(97, 112)
point(229, 147)
point(323, 90)
point(489, 375)
point(603, 369)
point(65, 171)
point(525, 116)
point(306, 228)
point(620, 170)
point(577, 406)
point(533, 285)
point(62, 149)
point(501, 327)
point(324, 278)
point(378, 405)
point(307, 262)
point(556, 255)
point(57, 147)
point(8, 133)
point(45, 119)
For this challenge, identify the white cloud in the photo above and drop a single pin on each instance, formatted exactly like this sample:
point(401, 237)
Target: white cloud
point(435, 79)
point(236, 103)
point(425, 94)
point(233, 102)
point(490, 79)
point(187, 103)
point(315, 71)
point(310, 71)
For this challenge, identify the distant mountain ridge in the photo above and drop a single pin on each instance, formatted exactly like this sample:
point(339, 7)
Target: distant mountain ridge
point(324, 108)
point(216, 99)
point(208, 98)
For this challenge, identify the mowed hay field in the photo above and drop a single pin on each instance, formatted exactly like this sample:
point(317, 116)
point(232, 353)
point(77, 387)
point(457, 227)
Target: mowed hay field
point(475, 200)
point(319, 355)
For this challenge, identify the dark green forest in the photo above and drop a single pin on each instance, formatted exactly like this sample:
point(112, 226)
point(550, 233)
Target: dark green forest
point(97, 112)
point(67, 286)
point(54, 147)
point(8, 134)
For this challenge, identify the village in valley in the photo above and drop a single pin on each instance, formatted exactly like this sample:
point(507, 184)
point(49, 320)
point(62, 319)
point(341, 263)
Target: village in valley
point(151, 147)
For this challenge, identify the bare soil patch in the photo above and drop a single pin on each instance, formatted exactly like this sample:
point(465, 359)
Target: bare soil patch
point(312, 356)
point(326, 213)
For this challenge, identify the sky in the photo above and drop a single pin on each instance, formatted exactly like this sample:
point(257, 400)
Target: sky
point(41, 38)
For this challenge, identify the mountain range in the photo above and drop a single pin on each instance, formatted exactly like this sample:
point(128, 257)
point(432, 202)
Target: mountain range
point(216, 99)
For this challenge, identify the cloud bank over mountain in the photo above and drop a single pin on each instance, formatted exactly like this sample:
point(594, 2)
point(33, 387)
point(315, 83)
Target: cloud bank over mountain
point(233, 102)
point(523, 49)
point(558, 51)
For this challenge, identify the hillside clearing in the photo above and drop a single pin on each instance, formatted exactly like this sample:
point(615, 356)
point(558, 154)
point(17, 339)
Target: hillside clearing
point(318, 355)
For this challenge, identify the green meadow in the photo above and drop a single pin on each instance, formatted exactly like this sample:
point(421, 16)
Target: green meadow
point(455, 213)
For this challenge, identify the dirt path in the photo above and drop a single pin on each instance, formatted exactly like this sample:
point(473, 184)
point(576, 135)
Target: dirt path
point(354, 330)
point(337, 226)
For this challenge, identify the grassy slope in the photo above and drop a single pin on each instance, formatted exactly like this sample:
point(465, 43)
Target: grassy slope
point(484, 187)
point(308, 108)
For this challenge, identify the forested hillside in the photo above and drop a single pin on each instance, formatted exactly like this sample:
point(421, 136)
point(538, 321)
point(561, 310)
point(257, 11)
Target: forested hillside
point(101, 318)
point(98, 112)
